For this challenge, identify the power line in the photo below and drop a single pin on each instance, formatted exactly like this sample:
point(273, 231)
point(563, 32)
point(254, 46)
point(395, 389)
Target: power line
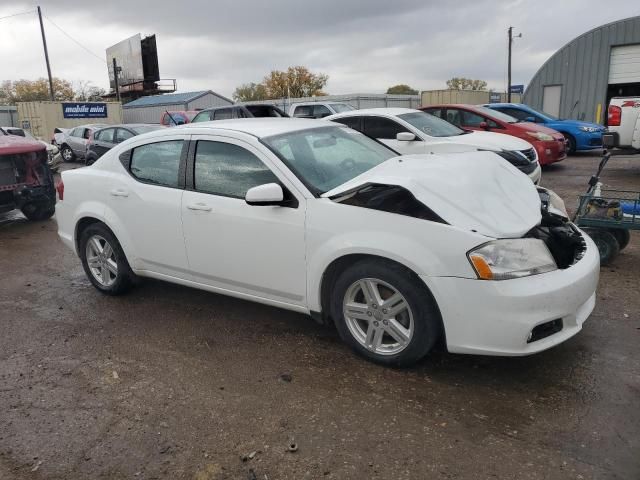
point(74, 40)
point(16, 14)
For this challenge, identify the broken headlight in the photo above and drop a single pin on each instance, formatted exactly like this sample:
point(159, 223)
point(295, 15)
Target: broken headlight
point(511, 258)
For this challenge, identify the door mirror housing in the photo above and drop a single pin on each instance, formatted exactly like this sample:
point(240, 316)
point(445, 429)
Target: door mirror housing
point(405, 137)
point(484, 125)
point(530, 119)
point(267, 194)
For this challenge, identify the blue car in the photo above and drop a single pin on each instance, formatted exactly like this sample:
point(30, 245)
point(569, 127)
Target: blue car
point(579, 135)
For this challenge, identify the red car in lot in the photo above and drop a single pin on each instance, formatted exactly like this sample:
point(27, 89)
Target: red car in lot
point(549, 144)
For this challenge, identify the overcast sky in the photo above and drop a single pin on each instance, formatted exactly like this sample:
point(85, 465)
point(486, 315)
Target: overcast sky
point(363, 45)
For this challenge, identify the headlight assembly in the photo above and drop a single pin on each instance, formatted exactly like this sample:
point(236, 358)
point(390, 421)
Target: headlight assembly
point(543, 137)
point(511, 258)
point(589, 129)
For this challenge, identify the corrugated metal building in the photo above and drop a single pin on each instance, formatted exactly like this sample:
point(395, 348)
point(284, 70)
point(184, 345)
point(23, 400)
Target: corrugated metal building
point(8, 116)
point(579, 79)
point(356, 100)
point(150, 109)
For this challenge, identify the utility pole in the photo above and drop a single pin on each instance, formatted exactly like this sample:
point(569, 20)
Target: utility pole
point(46, 54)
point(510, 35)
point(115, 78)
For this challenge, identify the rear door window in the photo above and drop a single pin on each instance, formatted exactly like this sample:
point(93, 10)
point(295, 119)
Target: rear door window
point(470, 119)
point(157, 163)
point(381, 127)
point(351, 122)
point(223, 114)
point(122, 135)
point(321, 111)
point(106, 135)
point(305, 111)
point(452, 115)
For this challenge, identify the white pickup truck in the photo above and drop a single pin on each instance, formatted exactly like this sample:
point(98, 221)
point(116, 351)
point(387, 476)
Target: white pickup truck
point(623, 120)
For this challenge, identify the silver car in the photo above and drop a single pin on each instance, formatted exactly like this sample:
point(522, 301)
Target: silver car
point(74, 143)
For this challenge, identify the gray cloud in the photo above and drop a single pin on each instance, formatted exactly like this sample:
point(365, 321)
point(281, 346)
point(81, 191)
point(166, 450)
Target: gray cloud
point(363, 46)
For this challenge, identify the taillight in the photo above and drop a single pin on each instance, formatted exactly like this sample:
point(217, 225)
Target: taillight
point(60, 189)
point(614, 116)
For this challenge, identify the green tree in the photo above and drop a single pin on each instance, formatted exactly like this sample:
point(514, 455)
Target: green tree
point(461, 83)
point(294, 82)
point(250, 91)
point(401, 89)
point(34, 90)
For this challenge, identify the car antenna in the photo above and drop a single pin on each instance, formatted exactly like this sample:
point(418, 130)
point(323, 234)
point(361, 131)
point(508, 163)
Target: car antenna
point(171, 117)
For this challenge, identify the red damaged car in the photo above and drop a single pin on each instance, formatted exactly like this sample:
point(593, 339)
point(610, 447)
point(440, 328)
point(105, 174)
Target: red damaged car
point(26, 182)
point(550, 145)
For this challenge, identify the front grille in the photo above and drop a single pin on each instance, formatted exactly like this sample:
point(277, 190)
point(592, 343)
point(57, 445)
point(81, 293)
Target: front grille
point(595, 142)
point(530, 154)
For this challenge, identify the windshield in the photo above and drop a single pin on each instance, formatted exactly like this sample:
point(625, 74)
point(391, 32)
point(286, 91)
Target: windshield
point(543, 114)
point(341, 107)
point(323, 158)
point(490, 112)
point(146, 128)
point(431, 125)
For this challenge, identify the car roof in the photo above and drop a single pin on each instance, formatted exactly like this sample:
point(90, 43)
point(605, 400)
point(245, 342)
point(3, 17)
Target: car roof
point(132, 125)
point(514, 105)
point(376, 111)
point(257, 127)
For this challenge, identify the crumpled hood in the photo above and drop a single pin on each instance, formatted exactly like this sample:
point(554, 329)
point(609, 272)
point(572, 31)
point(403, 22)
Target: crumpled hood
point(475, 191)
point(492, 141)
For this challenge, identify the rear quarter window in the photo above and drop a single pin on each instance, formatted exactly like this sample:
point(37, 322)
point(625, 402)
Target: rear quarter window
point(157, 163)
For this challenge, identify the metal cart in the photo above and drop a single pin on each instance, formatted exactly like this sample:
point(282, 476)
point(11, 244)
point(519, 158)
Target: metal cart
point(608, 215)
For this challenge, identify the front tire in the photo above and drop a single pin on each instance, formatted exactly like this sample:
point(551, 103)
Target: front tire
point(385, 313)
point(67, 153)
point(571, 144)
point(104, 261)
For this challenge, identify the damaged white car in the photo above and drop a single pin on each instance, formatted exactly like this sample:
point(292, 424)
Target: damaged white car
point(399, 253)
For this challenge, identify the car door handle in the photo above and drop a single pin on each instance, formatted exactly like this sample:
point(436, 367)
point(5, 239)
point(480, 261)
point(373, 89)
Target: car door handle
point(119, 192)
point(199, 206)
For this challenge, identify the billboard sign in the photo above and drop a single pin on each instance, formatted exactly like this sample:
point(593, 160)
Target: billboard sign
point(128, 55)
point(84, 110)
point(517, 89)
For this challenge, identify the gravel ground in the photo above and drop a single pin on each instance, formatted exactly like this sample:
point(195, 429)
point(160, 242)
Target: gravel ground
point(175, 383)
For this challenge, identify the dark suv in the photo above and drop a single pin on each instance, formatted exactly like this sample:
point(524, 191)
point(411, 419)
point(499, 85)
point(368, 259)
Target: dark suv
point(103, 140)
point(249, 110)
point(26, 182)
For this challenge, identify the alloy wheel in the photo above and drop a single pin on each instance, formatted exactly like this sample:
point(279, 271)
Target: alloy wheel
point(378, 316)
point(101, 260)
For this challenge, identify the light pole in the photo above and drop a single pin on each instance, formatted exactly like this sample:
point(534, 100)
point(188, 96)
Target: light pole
point(46, 55)
point(511, 37)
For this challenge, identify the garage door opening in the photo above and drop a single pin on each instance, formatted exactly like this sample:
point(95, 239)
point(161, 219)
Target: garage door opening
point(551, 95)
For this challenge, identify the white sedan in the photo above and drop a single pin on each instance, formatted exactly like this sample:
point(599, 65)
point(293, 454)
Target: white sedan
point(410, 131)
point(311, 216)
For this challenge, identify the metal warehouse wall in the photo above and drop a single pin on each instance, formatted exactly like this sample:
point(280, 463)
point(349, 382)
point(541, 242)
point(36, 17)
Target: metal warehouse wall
point(356, 100)
point(582, 68)
point(472, 97)
point(8, 116)
point(153, 113)
point(208, 101)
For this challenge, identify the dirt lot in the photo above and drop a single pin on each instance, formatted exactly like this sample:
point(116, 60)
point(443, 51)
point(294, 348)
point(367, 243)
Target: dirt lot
point(173, 383)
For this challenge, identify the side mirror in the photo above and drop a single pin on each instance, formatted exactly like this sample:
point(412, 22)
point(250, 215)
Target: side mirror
point(530, 119)
point(484, 125)
point(267, 194)
point(405, 137)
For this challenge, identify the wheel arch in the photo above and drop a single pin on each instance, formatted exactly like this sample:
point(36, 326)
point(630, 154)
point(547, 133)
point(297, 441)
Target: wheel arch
point(339, 264)
point(89, 220)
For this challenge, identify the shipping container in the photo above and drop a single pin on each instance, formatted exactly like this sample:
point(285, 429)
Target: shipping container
point(469, 97)
point(40, 118)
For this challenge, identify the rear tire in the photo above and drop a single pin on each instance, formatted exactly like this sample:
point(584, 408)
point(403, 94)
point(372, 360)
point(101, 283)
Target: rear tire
point(607, 244)
point(385, 313)
point(37, 212)
point(104, 261)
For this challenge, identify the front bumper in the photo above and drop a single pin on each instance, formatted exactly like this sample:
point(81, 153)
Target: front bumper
point(497, 317)
point(589, 140)
point(536, 175)
point(551, 152)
